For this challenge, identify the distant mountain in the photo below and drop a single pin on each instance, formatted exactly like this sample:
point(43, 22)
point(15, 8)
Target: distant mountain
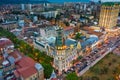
point(37, 1)
point(69, 0)
point(23, 1)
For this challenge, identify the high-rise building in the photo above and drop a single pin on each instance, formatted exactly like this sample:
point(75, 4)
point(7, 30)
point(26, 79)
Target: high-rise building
point(108, 15)
point(23, 6)
point(29, 7)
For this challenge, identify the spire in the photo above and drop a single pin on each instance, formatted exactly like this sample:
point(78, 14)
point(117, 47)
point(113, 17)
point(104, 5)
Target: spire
point(79, 45)
point(59, 38)
point(53, 75)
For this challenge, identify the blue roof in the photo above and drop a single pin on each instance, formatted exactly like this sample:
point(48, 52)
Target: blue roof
point(53, 75)
point(37, 42)
point(10, 22)
point(11, 59)
point(69, 42)
point(89, 41)
point(38, 66)
point(5, 55)
point(82, 18)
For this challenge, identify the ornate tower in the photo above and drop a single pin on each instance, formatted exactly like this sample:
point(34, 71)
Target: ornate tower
point(59, 59)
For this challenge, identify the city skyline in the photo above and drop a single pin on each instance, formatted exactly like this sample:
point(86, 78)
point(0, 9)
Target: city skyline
point(59, 40)
point(54, 1)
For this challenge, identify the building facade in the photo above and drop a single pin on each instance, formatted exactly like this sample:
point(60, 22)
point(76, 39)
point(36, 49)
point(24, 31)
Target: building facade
point(15, 66)
point(64, 54)
point(108, 15)
point(9, 25)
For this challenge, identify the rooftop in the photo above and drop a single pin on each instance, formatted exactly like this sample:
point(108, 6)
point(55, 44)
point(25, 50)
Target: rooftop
point(110, 3)
point(26, 67)
point(4, 42)
point(25, 62)
point(89, 41)
point(16, 55)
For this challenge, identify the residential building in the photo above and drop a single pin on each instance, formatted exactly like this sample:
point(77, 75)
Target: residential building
point(50, 14)
point(16, 66)
point(22, 6)
point(28, 69)
point(7, 65)
point(9, 25)
point(108, 15)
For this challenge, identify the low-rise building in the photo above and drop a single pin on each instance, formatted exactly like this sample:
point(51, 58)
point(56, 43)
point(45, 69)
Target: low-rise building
point(9, 25)
point(16, 66)
point(28, 69)
point(63, 50)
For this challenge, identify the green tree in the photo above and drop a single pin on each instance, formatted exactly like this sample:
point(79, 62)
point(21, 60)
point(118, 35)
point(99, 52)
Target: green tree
point(42, 17)
point(72, 76)
point(28, 50)
point(47, 70)
point(95, 78)
point(80, 78)
point(78, 36)
point(67, 23)
point(57, 18)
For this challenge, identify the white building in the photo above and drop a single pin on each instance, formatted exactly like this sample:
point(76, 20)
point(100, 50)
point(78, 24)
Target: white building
point(50, 14)
point(23, 6)
point(63, 51)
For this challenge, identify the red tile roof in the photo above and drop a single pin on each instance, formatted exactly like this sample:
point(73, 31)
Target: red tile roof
point(15, 54)
point(54, 79)
point(25, 72)
point(25, 61)
point(26, 67)
point(4, 42)
point(68, 28)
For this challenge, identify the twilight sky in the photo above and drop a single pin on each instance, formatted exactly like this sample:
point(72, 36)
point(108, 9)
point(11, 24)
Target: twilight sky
point(82, 0)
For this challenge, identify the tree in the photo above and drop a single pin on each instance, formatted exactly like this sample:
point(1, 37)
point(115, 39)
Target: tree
point(94, 78)
point(67, 23)
point(80, 78)
point(28, 50)
point(95, 70)
point(72, 76)
point(78, 36)
point(47, 70)
point(105, 70)
point(57, 18)
point(42, 17)
point(111, 78)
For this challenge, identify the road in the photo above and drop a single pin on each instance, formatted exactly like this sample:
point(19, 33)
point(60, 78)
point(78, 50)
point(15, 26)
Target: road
point(94, 56)
point(106, 50)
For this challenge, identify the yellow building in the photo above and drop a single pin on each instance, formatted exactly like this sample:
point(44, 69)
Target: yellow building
point(108, 15)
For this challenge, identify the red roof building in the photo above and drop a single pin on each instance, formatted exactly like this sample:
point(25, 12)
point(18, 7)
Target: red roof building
point(54, 79)
point(68, 28)
point(4, 42)
point(26, 69)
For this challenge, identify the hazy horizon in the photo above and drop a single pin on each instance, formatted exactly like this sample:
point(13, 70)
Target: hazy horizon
point(53, 1)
